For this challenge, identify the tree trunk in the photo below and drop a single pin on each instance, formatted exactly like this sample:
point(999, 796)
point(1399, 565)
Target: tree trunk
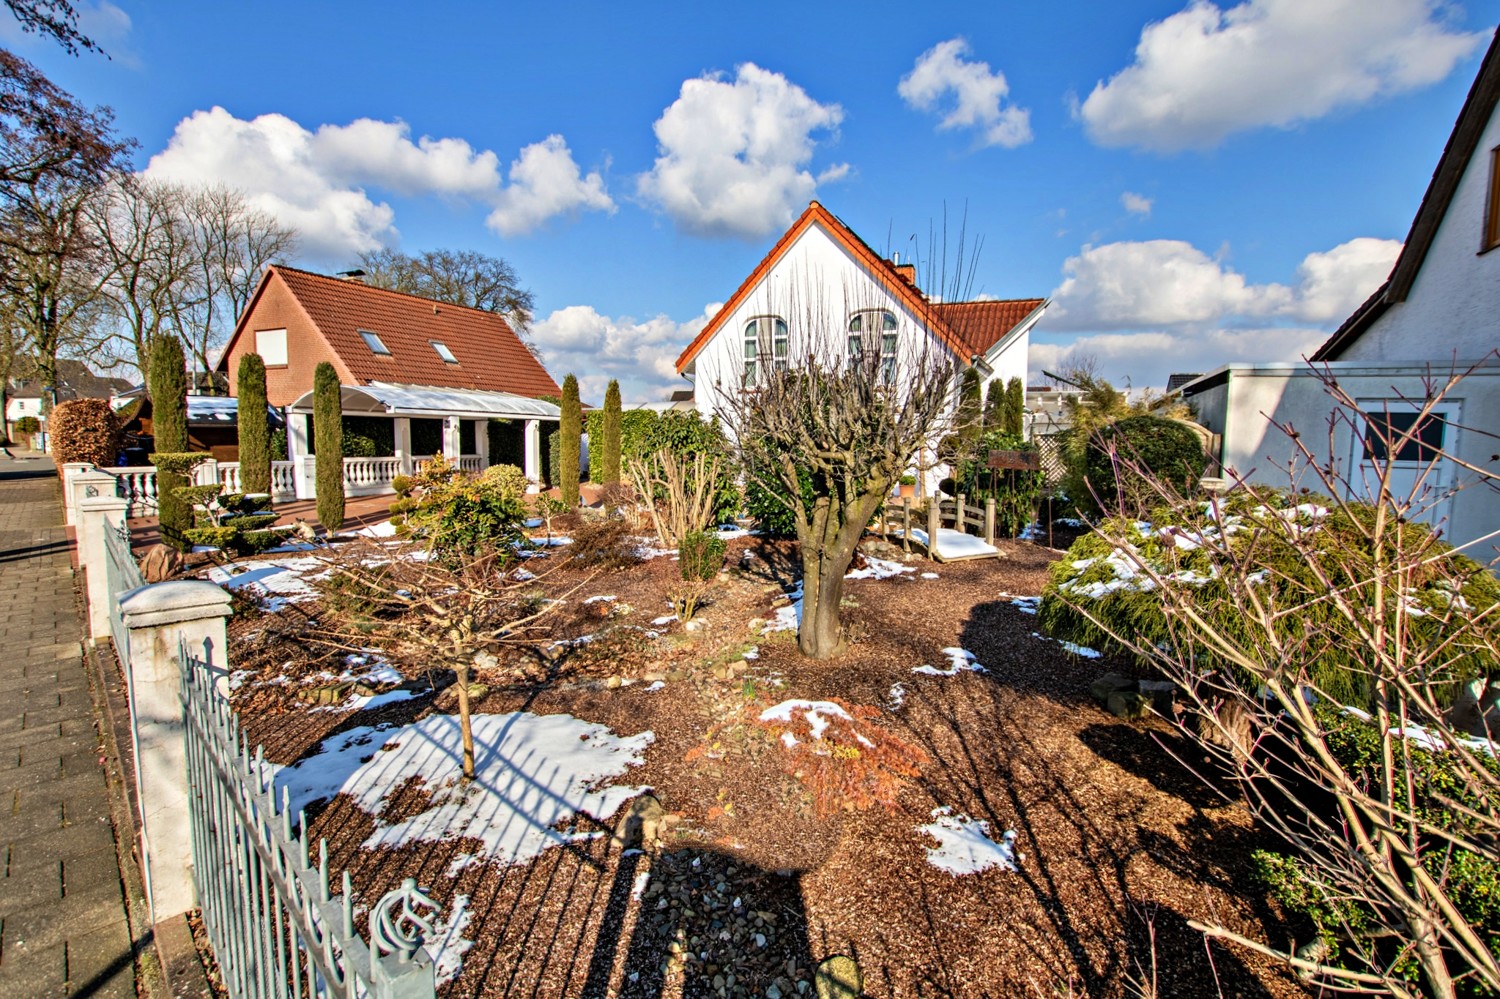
point(466, 730)
point(827, 549)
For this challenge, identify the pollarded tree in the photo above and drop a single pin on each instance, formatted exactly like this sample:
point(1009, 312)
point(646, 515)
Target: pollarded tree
point(255, 433)
point(328, 446)
point(610, 459)
point(571, 428)
point(829, 438)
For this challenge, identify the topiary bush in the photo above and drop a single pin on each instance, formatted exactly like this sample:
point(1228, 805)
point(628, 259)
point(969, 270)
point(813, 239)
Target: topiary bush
point(328, 447)
point(1098, 588)
point(25, 427)
point(1167, 450)
point(82, 430)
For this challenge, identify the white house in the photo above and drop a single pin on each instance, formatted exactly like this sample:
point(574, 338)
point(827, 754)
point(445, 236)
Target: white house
point(822, 289)
point(1439, 312)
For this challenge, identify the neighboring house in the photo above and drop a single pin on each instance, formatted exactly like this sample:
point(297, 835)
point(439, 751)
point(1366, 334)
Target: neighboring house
point(1439, 312)
point(426, 377)
point(74, 381)
point(680, 401)
point(822, 290)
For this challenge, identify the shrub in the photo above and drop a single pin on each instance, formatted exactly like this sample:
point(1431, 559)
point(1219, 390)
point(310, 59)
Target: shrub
point(328, 449)
point(605, 542)
point(700, 555)
point(1095, 579)
point(82, 430)
point(168, 387)
point(1017, 493)
point(1166, 450)
point(774, 518)
point(462, 516)
point(402, 484)
point(1015, 408)
point(609, 465)
point(553, 458)
point(508, 480)
point(644, 432)
point(28, 425)
point(278, 444)
point(571, 429)
point(254, 428)
point(359, 446)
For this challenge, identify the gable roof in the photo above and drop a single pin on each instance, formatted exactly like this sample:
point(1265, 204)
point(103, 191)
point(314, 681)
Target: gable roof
point(882, 270)
point(981, 325)
point(490, 355)
point(1478, 107)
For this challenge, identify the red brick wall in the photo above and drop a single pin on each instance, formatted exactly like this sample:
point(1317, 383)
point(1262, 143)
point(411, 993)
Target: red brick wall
point(285, 384)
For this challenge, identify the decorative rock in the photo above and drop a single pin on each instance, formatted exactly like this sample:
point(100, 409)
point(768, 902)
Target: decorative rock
point(613, 683)
point(1128, 704)
point(694, 625)
point(1162, 693)
point(839, 977)
point(1108, 684)
point(160, 564)
point(642, 824)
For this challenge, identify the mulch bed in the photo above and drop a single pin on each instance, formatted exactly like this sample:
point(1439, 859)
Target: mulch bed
point(758, 880)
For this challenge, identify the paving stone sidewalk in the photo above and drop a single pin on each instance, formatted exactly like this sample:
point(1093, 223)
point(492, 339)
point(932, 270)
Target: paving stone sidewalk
point(63, 927)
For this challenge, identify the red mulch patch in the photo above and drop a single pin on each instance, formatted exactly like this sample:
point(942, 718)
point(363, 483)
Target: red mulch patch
point(758, 878)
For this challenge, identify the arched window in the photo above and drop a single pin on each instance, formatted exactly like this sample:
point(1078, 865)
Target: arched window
point(767, 344)
point(872, 330)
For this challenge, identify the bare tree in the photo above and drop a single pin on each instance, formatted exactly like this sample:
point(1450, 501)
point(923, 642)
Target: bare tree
point(463, 277)
point(1339, 662)
point(853, 424)
point(57, 19)
point(46, 134)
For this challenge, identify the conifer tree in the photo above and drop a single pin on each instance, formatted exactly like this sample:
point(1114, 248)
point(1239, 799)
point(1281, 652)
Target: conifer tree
point(610, 458)
point(1015, 408)
point(571, 427)
point(255, 432)
point(167, 384)
point(968, 422)
point(994, 407)
point(328, 446)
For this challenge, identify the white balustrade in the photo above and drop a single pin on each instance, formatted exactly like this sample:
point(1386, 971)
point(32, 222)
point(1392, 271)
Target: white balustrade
point(420, 463)
point(370, 476)
point(283, 481)
point(229, 476)
point(468, 463)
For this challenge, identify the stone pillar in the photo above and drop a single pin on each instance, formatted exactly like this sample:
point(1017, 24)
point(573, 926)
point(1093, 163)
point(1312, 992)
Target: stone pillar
point(299, 452)
point(71, 469)
point(533, 450)
point(162, 618)
point(96, 515)
point(402, 435)
point(83, 481)
point(451, 439)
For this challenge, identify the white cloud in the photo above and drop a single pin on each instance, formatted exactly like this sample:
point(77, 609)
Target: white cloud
point(1136, 204)
point(1166, 283)
point(316, 181)
point(978, 95)
point(1205, 73)
point(545, 182)
point(1146, 358)
point(734, 154)
point(641, 354)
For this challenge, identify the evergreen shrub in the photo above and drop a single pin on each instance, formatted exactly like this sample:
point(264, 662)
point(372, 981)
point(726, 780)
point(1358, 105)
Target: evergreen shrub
point(571, 428)
point(1168, 451)
point(328, 446)
point(254, 427)
point(700, 555)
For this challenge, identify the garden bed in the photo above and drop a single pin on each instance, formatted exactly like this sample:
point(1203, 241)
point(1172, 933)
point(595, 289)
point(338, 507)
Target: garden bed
point(775, 855)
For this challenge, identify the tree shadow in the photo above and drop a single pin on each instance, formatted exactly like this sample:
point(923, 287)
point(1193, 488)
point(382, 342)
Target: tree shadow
point(1158, 758)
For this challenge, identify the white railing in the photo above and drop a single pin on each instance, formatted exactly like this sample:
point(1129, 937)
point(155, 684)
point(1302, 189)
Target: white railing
point(229, 476)
point(138, 485)
point(370, 476)
point(469, 463)
point(283, 480)
point(419, 463)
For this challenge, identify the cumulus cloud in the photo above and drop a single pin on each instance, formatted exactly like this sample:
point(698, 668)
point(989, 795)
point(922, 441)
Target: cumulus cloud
point(977, 95)
point(1146, 309)
point(317, 181)
point(1166, 282)
point(1136, 204)
point(734, 154)
point(1205, 73)
point(640, 353)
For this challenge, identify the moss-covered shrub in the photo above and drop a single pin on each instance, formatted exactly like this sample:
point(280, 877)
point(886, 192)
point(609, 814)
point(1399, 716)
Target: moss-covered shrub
point(83, 430)
point(1167, 451)
point(1099, 588)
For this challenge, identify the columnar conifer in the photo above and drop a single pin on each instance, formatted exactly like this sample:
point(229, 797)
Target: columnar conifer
point(167, 385)
point(328, 444)
point(255, 433)
point(610, 459)
point(571, 428)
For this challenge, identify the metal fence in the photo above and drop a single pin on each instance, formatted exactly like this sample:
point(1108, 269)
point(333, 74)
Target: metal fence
point(276, 926)
point(122, 574)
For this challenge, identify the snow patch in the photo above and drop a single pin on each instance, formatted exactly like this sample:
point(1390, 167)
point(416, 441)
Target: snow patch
point(274, 582)
point(964, 844)
point(448, 947)
point(929, 575)
point(384, 529)
point(1026, 605)
point(955, 544)
point(962, 660)
point(879, 568)
point(813, 711)
point(787, 618)
point(1077, 650)
point(897, 696)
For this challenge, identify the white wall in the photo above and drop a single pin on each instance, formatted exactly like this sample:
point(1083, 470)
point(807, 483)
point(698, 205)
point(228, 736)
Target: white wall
point(1255, 397)
point(815, 286)
point(1454, 304)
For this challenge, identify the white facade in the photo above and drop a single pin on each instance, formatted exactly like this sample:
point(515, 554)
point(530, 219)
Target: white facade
point(17, 408)
point(816, 286)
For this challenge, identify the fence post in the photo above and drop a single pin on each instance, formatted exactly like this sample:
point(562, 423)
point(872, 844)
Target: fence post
point(960, 515)
point(97, 514)
point(989, 520)
point(906, 523)
point(70, 471)
point(162, 617)
point(934, 522)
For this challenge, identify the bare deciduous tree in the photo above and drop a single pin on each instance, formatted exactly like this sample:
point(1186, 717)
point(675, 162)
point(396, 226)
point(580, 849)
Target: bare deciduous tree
point(464, 277)
point(1388, 799)
point(678, 492)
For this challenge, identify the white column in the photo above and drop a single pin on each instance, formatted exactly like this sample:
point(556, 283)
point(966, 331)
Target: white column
point(297, 451)
point(533, 450)
point(159, 617)
point(97, 514)
point(451, 439)
point(402, 436)
point(482, 442)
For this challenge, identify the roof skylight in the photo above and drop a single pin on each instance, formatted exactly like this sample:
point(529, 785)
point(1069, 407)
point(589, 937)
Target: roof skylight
point(443, 351)
point(373, 341)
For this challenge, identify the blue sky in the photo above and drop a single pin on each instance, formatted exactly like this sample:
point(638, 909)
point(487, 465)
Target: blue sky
point(1191, 183)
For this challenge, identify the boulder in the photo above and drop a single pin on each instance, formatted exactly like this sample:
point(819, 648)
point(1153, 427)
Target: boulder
point(1128, 704)
point(160, 564)
point(1108, 684)
point(839, 977)
point(1162, 693)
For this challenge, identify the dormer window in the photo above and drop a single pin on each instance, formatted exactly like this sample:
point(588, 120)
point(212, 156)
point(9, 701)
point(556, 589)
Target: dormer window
point(767, 343)
point(373, 341)
point(443, 351)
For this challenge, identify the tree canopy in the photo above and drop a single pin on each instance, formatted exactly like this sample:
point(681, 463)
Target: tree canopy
point(460, 277)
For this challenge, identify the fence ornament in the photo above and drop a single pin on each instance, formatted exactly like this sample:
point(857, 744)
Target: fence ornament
point(401, 933)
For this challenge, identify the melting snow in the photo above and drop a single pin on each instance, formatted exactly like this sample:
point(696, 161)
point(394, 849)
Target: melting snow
point(384, 529)
point(813, 711)
point(276, 582)
point(964, 845)
point(897, 696)
point(929, 575)
point(448, 946)
point(879, 568)
point(664, 619)
point(787, 618)
point(1026, 605)
point(955, 544)
point(1077, 650)
point(532, 773)
point(601, 599)
point(962, 660)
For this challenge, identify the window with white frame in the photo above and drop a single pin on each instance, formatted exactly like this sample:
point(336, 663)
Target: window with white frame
point(271, 346)
point(874, 330)
point(373, 341)
point(767, 346)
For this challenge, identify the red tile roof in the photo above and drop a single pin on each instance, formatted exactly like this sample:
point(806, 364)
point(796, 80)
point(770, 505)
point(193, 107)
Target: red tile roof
point(896, 279)
point(490, 355)
point(981, 325)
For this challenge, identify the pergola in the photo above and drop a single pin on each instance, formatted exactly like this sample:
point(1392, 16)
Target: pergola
point(454, 406)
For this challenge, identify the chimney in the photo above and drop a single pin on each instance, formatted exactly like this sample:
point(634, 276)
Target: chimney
point(357, 276)
point(908, 273)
